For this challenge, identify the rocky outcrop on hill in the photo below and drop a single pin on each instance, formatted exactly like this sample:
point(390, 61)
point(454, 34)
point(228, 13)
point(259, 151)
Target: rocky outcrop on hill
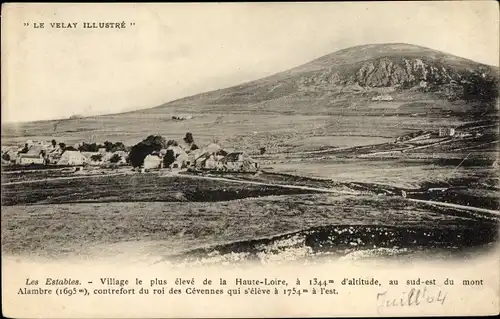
point(368, 70)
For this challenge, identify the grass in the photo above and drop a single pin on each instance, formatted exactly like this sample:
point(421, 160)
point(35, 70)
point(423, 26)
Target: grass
point(136, 187)
point(244, 131)
point(156, 228)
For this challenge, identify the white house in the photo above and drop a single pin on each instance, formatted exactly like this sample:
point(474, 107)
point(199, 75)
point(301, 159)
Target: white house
point(27, 159)
point(445, 131)
point(152, 161)
point(239, 162)
point(382, 98)
point(182, 159)
point(72, 158)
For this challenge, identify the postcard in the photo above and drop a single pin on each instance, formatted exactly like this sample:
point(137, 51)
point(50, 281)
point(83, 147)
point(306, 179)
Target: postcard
point(167, 160)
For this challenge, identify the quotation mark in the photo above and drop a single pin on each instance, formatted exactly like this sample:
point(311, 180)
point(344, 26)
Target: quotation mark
point(26, 24)
point(132, 23)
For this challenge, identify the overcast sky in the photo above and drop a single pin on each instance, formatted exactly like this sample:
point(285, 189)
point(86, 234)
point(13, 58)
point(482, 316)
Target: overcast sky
point(177, 50)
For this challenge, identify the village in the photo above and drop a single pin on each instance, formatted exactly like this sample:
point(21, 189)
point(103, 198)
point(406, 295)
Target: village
point(438, 135)
point(153, 153)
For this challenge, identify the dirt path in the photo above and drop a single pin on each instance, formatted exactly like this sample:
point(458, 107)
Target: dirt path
point(476, 209)
point(328, 150)
point(33, 171)
point(317, 189)
point(62, 178)
point(327, 190)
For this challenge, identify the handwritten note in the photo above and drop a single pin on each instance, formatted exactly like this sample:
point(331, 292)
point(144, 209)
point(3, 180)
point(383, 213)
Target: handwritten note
point(413, 298)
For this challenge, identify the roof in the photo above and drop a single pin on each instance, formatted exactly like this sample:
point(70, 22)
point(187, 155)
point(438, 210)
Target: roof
point(234, 156)
point(89, 154)
point(177, 150)
point(203, 156)
point(212, 148)
point(74, 153)
point(29, 155)
point(152, 156)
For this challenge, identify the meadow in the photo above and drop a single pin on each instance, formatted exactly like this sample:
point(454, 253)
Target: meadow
point(247, 132)
point(154, 216)
point(155, 230)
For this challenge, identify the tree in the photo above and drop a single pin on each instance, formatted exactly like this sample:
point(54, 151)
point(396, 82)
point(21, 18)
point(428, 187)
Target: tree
point(138, 153)
point(115, 158)
point(189, 138)
point(6, 157)
point(156, 141)
point(96, 157)
point(54, 143)
point(88, 147)
point(25, 149)
point(172, 143)
point(62, 145)
point(118, 146)
point(108, 146)
point(194, 147)
point(169, 158)
point(262, 150)
point(145, 147)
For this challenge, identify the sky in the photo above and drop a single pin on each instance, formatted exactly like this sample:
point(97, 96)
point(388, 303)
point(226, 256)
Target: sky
point(169, 51)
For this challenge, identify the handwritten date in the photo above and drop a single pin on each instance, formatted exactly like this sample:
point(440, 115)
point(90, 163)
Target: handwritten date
point(412, 298)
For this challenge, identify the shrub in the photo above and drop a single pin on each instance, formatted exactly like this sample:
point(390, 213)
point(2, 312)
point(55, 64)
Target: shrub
point(115, 158)
point(169, 158)
point(96, 157)
point(189, 138)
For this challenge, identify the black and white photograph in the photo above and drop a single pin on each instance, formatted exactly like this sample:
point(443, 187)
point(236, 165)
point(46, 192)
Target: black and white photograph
point(234, 134)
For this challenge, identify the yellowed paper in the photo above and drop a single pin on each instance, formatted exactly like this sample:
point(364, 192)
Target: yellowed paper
point(250, 159)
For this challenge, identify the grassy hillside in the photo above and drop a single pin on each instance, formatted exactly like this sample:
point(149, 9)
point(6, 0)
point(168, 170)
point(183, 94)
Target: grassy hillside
point(330, 96)
point(350, 78)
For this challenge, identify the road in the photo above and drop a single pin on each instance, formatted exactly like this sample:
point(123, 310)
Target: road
point(470, 208)
point(315, 189)
point(309, 188)
point(62, 178)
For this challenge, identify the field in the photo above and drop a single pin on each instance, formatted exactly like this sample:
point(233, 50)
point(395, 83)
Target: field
point(329, 185)
point(249, 132)
point(161, 217)
point(158, 230)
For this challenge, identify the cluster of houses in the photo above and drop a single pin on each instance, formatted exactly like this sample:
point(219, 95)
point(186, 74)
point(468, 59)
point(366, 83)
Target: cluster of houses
point(182, 117)
point(441, 133)
point(210, 158)
point(382, 98)
point(47, 153)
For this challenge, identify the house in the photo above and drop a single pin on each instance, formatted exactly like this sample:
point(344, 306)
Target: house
point(382, 98)
point(182, 117)
point(72, 158)
point(212, 148)
point(152, 161)
point(54, 155)
point(445, 131)
point(27, 159)
point(423, 136)
point(206, 161)
point(93, 158)
point(182, 159)
point(239, 162)
point(463, 134)
point(12, 155)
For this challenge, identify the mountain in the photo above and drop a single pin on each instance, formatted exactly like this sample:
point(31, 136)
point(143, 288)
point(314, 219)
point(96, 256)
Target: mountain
point(352, 78)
